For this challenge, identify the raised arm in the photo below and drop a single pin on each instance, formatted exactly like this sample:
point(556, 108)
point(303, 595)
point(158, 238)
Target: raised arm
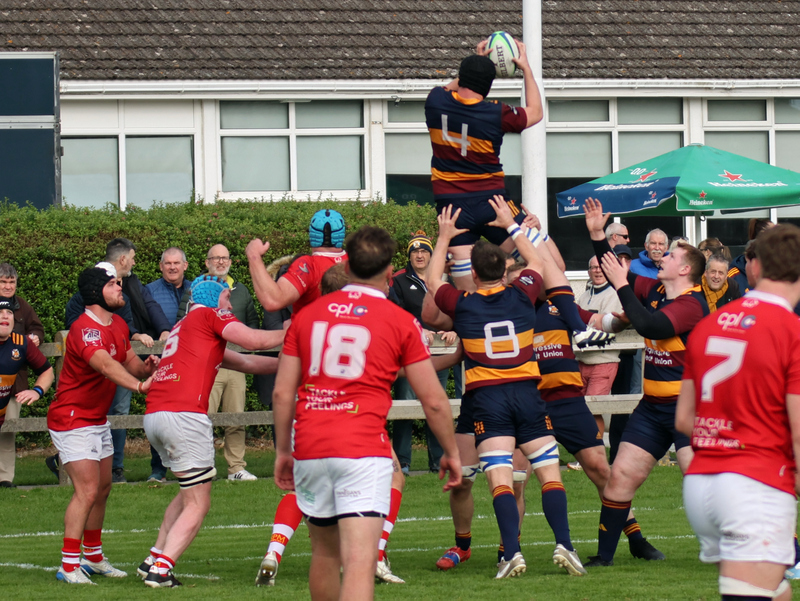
point(504, 220)
point(533, 99)
point(271, 294)
point(447, 231)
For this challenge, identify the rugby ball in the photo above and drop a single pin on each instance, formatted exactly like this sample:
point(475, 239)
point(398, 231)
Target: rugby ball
point(502, 49)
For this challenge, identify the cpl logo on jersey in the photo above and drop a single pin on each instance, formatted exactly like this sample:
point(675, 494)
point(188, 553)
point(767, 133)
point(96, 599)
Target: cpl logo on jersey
point(736, 321)
point(339, 310)
point(15, 354)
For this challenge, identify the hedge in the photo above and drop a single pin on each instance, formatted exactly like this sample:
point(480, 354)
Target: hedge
point(50, 248)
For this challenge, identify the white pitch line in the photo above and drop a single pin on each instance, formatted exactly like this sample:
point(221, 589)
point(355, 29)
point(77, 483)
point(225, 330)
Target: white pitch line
point(441, 518)
point(30, 566)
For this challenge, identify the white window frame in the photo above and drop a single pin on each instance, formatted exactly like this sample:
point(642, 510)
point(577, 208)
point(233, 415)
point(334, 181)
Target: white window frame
point(293, 132)
point(121, 132)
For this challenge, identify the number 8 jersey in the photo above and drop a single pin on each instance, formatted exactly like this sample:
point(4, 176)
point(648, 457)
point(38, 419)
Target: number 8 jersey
point(744, 360)
point(351, 344)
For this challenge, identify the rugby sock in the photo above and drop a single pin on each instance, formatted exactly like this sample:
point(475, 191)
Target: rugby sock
point(388, 523)
point(632, 530)
point(155, 554)
point(613, 515)
point(463, 540)
point(796, 551)
point(554, 506)
point(500, 550)
point(287, 518)
point(163, 565)
point(92, 547)
point(71, 554)
point(507, 514)
point(563, 299)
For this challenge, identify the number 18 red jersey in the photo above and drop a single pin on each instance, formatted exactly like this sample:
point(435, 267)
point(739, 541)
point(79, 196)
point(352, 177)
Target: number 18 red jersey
point(351, 344)
point(744, 360)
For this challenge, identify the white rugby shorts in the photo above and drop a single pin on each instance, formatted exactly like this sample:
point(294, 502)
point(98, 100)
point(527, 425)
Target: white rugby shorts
point(89, 442)
point(184, 440)
point(338, 487)
point(737, 518)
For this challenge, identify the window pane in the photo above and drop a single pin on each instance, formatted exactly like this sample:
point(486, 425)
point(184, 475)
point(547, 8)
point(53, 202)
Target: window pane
point(408, 154)
point(159, 168)
point(578, 155)
point(330, 163)
point(404, 189)
point(330, 113)
point(90, 171)
point(643, 111)
point(750, 144)
point(786, 156)
point(737, 110)
point(254, 164)
point(511, 154)
point(787, 110)
point(253, 115)
point(577, 110)
point(635, 147)
point(406, 112)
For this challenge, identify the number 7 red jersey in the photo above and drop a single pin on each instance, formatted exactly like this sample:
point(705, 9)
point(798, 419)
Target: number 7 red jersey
point(351, 344)
point(744, 360)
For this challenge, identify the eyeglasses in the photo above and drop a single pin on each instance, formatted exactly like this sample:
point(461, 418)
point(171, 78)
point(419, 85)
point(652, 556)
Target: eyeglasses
point(625, 236)
point(218, 259)
point(595, 268)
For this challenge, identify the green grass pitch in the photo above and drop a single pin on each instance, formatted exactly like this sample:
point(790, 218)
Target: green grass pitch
point(223, 560)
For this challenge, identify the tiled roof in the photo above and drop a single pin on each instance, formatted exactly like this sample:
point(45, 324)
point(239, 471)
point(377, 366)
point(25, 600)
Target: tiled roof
point(370, 39)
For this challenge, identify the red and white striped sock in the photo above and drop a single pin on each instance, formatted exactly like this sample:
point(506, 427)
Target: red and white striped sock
point(92, 546)
point(163, 565)
point(388, 523)
point(71, 554)
point(155, 554)
point(287, 518)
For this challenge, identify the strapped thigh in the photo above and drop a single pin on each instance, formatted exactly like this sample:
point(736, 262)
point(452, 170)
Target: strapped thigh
point(547, 455)
point(197, 476)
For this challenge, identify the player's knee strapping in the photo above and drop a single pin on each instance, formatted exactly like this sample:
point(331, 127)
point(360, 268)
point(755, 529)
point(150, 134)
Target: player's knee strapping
point(494, 459)
point(470, 472)
point(197, 477)
point(520, 475)
point(461, 268)
point(547, 455)
point(740, 588)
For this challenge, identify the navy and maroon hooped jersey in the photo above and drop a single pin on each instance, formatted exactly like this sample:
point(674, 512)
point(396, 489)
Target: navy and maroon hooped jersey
point(496, 327)
point(17, 352)
point(466, 136)
point(561, 374)
point(664, 360)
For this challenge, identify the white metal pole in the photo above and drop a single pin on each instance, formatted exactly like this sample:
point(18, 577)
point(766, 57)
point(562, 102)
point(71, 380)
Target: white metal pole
point(534, 158)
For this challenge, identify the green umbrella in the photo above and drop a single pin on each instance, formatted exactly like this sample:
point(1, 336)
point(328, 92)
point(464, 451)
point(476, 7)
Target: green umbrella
point(695, 178)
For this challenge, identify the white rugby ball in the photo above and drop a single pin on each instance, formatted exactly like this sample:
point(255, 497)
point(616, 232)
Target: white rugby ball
point(502, 49)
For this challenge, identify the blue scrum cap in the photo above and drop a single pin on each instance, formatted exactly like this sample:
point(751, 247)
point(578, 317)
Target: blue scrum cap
point(206, 290)
point(326, 229)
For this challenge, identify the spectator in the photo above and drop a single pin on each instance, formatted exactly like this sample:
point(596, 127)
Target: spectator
point(717, 286)
point(410, 288)
point(655, 249)
point(599, 367)
point(616, 234)
point(27, 323)
point(230, 386)
point(737, 268)
point(168, 290)
point(712, 246)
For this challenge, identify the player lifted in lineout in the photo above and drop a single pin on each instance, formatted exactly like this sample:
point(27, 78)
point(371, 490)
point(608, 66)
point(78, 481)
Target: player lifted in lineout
point(466, 132)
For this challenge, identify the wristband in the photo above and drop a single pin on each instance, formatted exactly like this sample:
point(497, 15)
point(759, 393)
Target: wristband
point(510, 229)
point(139, 387)
point(606, 322)
point(39, 390)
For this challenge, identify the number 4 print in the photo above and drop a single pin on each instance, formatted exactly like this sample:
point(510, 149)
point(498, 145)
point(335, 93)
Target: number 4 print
point(733, 351)
point(463, 141)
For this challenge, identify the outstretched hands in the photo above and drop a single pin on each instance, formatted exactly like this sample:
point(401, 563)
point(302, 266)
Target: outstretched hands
point(447, 223)
point(595, 219)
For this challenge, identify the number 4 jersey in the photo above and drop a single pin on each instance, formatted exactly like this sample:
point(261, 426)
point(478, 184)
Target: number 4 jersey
point(744, 360)
point(351, 344)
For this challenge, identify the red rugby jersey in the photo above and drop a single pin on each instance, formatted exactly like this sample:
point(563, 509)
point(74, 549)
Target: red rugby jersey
point(83, 395)
point(306, 272)
point(744, 359)
point(190, 362)
point(351, 344)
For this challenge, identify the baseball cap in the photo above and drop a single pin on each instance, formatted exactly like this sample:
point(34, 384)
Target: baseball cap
point(622, 249)
point(6, 303)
